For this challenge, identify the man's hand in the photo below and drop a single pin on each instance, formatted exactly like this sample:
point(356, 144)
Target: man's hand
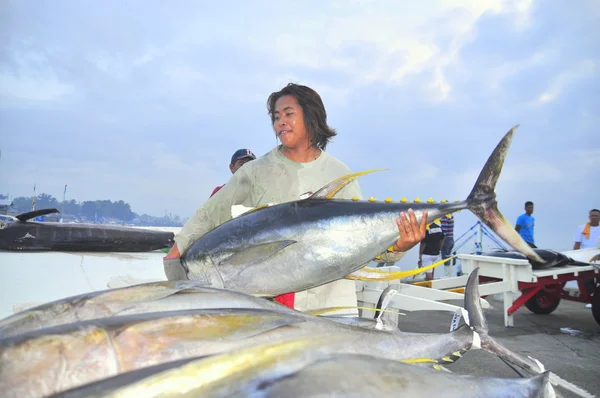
point(411, 232)
point(595, 258)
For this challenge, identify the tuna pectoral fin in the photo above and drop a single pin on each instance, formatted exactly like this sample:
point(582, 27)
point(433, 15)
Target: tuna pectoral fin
point(144, 292)
point(331, 189)
point(256, 254)
point(369, 274)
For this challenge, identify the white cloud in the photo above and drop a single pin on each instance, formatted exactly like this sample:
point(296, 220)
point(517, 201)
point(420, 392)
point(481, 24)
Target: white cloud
point(563, 80)
point(32, 77)
point(498, 74)
point(42, 88)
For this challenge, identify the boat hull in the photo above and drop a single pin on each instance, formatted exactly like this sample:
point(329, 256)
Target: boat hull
point(50, 236)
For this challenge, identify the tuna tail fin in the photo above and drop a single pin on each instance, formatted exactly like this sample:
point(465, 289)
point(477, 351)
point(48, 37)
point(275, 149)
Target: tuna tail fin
point(477, 321)
point(385, 319)
point(482, 199)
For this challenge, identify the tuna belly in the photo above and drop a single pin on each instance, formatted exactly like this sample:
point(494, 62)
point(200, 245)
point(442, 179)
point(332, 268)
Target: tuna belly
point(315, 259)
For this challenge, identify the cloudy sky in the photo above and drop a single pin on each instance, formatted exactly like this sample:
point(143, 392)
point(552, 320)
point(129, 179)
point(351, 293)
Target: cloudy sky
point(146, 101)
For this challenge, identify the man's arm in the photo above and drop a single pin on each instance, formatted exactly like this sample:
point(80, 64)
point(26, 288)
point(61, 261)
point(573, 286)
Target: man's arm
point(518, 224)
point(215, 211)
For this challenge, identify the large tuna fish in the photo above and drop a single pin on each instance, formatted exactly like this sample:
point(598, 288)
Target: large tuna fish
point(377, 378)
point(55, 359)
point(303, 367)
point(140, 299)
point(298, 245)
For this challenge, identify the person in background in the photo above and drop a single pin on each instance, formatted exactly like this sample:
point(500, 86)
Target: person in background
point(526, 224)
point(447, 224)
point(587, 236)
point(430, 247)
point(287, 172)
point(239, 158)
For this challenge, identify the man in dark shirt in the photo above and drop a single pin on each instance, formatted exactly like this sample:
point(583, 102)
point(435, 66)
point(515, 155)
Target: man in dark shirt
point(239, 158)
point(430, 248)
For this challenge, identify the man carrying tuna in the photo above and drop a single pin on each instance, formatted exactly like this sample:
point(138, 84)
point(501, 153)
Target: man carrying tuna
point(297, 166)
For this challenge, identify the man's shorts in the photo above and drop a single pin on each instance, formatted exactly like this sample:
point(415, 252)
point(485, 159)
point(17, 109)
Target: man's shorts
point(430, 259)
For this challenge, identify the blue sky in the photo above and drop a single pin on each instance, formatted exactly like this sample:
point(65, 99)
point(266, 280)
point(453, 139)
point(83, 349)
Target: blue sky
point(146, 101)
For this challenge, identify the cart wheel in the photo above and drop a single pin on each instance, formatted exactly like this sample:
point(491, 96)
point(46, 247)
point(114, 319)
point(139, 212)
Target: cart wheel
point(542, 303)
point(596, 304)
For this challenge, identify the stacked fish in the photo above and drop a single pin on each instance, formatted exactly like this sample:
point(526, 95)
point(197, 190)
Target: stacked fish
point(217, 334)
point(182, 339)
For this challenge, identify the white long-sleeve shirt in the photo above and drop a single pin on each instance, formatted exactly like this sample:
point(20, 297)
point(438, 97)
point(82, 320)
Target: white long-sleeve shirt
point(273, 179)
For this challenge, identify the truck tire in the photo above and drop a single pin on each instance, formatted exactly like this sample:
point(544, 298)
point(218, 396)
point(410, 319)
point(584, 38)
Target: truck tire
point(596, 304)
point(542, 303)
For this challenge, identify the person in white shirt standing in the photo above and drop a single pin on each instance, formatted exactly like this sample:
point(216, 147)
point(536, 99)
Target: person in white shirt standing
point(588, 234)
point(588, 237)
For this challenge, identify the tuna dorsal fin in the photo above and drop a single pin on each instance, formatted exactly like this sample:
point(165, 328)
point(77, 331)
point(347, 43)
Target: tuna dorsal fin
point(36, 213)
point(331, 189)
point(256, 254)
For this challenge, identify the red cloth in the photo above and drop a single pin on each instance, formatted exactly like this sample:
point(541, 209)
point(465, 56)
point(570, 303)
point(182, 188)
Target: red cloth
point(286, 299)
point(216, 190)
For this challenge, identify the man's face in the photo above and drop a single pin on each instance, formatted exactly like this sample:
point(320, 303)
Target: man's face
point(594, 218)
point(235, 166)
point(529, 209)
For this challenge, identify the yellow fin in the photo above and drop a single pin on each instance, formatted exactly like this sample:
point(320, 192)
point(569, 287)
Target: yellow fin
point(376, 275)
point(254, 209)
point(331, 189)
point(419, 360)
point(320, 311)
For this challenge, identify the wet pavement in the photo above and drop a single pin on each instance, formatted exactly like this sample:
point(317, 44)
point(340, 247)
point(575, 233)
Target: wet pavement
point(574, 357)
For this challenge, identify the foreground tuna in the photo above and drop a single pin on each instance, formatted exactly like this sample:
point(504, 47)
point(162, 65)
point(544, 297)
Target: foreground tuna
point(54, 359)
point(140, 299)
point(304, 368)
point(302, 244)
point(234, 373)
point(383, 378)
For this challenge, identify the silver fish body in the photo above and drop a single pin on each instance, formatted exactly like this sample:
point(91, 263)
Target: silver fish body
point(374, 377)
point(144, 298)
point(54, 359)
point(50, 360)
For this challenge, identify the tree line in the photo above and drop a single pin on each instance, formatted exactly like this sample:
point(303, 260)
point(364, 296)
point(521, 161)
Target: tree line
point(94, 210)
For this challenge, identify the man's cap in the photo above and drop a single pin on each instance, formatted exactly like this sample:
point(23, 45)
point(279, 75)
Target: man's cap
point(241, 154)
